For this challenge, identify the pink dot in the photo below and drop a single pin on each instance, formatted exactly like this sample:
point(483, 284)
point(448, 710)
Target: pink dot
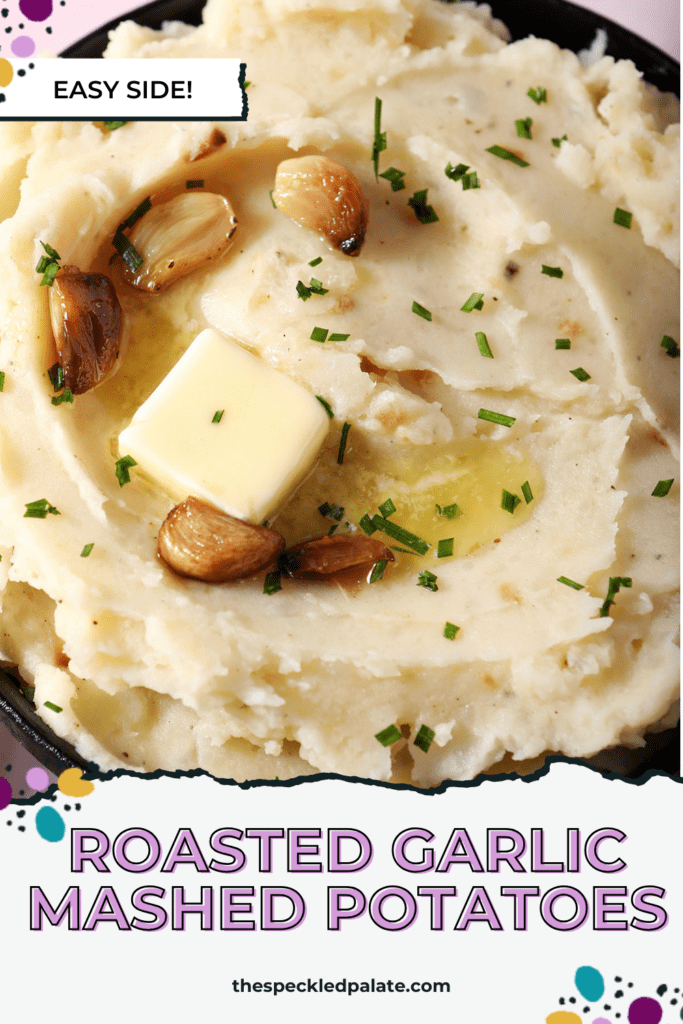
point(23, 46)
point(38, 779)
point(645, 1011)
point(601, 1020)
point(5, 792)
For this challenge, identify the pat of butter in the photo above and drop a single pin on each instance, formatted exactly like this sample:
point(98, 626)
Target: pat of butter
point(267, 439)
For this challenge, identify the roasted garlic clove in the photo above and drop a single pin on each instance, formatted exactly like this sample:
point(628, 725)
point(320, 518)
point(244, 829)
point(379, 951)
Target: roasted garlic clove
point(200, 541)
point(177, 237)
point(327, 555)
point(327, 197)
point(88, 327)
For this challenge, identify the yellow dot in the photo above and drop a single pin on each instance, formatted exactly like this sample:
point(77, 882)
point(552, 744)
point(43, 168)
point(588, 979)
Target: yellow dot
point(6, 72)
point(70, 783)
point(563, 1017)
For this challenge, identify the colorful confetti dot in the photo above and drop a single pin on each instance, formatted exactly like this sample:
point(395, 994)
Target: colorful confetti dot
point(645, 1011)
point(5, 793)
point(37, 779)
point(36, 10)
point(601, 1020)
point(23, 46)
point(6, 72)
point(71, 783)
point(563, 1017)
point(590, 983)
point(50, 824)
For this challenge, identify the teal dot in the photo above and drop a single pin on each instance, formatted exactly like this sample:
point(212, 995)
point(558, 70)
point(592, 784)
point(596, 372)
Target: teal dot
point(50, 824)
point(590, 983)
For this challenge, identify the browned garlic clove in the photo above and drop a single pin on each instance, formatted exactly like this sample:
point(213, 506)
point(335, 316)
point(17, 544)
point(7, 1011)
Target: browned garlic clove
point(327, 197)
point(178, 236)
point(88, 327)
point(327, 555)
point(200, 541)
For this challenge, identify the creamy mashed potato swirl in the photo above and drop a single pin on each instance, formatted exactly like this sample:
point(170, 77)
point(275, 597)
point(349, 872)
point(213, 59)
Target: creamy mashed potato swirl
point(155, 671)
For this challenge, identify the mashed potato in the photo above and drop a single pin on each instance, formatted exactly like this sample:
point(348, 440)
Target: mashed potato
point(152, 670)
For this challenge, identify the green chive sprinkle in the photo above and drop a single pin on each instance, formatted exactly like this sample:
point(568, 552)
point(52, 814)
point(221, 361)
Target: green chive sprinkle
point(449, 511)
point(563, 343)
point(538, 95)
point(138, 212)
point(338, 337)
point(302, 291)
point(569, 583)
point(623, 218)
point(397, 532)
point(29, 692)
point(580, 373)
point(509, 501)
point(40, 509)
point(671, 347)
point(123, 466)
point(272, 201)
point(450, 630)
point(326, 406)
point(470, 180)
point(421, 311)
point(330, 510)
point(526, 491)
point(367, 526)
point(56, 375)
point(424, 213)
point(195, 183)
point(523, 126)
point(506, 154)
point(615, 585)
point(51, 706)
point(427, 580)
point(86, 550)
point(475, 301)
point(395, 177)
point(387, 508)
point(125, 248)
point(2, 380)
point(552, 271)
point(496, 417)
point(218, 416)
point(48, 265)
point(445, 548)
point(319, 334)
point(316, 286)
point(389, 735)
point(272, 583)
point(424, 738)
point(111, 126)
point(378, 570)
point(558, 142)
point(315, 262)
point(483, 345)
point(456, 173)
point(66, 396)
point(379, 143)
point(342, 443)
point(333, 529)
point(662, 488)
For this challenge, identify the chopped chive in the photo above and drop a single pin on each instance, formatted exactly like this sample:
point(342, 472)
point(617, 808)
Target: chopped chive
point(470, 180)
point(338, 337)
point(539, 95)
point(424, 213)
point(456, 173)
point(125, 248)
point(302, 291)
point(580, 373)
point(389, 735)
point(316, 286)
point(378, 570)
point(66, 396)
point(397, 532)
point(569, 583)
point(316, 261)
point(111, 126)
point(342, 443)
point(450, 630)
point(29, 692)
point(483, 345)
point(496, 417)
point(272, 201)
point(56, 375)
point(218, 415)
point(367, 526)
point(326, 406)
point(552, 271)
point(195, 183)
point(2, 380)
point(272, 583)
point(379, 142)
point(86, 550)
point(395, 177)
point(333, 529)
point(51, 706)
point(523, 126)
point(319, 334)
point(427, 580)
point(563, 343)
point(475, 301)
point(330, 510)
point(671, 347)
point(623, 218)
point(387, 508)
point(506, 154)
point(40, 509)
point(52, 253)
point(246, 85)
point(424, 738)
point(48, 265)
point(662, 488)
point(445, 548)
point(449, 511)
point(123, 466)
point(526, 491)
point(509, 501)
point(421, 311)
point(137, 213)
point(558, 142)
point(50, 274)
point(404, 551)
point(615, 585)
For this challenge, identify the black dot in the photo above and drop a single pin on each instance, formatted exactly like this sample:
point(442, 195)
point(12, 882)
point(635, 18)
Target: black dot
point(21, 792)
point(607, 1006)
point(630, 984)
point(48, 30)
point(571, 999)
point(21, 25)
point(8, 767)
point(9, 822)
point(22, 828)
point(617, 979)
point(561, 1000)
point(21, 72)
point(31, 65)
point(617, 1015)
point(67, 807)
point(618, 994)
point(78, 807)
point(2, 95)
point(673, 1002)
point(8, 29)
point(53, 798)
point(20, 814)
point(586, 1009)
point(675, 990)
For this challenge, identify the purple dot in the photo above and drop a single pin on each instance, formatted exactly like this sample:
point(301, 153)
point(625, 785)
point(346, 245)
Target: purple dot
point(38, 779)
point(36, 10)
point(645, 1011)
point(23, 46)
point(601, 1020)
point(5, 792)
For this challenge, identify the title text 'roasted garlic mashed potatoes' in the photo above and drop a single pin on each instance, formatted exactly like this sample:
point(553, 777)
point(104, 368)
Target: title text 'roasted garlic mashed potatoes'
point(525, 432)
